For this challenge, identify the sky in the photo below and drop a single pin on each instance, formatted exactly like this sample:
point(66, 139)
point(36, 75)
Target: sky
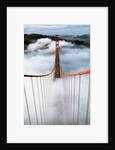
point(56, 29)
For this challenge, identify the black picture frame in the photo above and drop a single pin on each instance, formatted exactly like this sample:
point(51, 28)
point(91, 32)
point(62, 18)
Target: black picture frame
point(3, 102)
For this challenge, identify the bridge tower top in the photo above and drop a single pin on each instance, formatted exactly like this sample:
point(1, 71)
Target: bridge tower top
point(57, 59)
point(57, 41)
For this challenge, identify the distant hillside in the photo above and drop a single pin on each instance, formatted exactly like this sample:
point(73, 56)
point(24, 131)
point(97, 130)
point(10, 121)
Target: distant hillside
point(78, 39)
point(76, 36)
point(84, 36)
point(28, 38)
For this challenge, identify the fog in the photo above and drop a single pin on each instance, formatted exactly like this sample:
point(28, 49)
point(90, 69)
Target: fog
point(39, 58)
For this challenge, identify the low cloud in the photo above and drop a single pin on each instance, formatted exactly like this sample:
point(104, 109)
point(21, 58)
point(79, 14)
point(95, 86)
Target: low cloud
point(39, 58)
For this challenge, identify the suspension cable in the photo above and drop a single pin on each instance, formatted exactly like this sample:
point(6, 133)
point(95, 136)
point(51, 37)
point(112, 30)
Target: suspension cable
point(88, 101)
point(27, 106)
point(79, 99)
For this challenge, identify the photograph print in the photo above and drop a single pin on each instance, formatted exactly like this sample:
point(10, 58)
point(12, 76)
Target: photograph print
point(56, 74)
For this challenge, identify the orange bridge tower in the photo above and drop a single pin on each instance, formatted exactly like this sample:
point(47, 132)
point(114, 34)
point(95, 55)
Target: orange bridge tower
point(57, 71)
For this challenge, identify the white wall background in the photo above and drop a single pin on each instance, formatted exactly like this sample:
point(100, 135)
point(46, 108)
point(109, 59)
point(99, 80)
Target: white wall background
point(97, 132)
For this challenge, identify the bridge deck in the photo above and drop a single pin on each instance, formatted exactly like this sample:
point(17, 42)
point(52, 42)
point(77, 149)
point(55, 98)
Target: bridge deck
point(57, 65)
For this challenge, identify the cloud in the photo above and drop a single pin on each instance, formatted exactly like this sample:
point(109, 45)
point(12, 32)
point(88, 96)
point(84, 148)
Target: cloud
point(57, 29)
point(73, 59)
point(44, 26)
point(41, 61)
point(44, 29)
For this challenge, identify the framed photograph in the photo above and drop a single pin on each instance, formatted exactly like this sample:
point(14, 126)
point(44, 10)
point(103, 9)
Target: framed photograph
point(57, 74)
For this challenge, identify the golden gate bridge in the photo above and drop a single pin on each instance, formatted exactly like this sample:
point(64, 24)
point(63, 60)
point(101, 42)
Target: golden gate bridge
point(41, 91)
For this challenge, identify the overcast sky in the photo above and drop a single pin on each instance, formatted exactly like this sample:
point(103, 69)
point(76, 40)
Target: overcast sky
point(57, 29)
